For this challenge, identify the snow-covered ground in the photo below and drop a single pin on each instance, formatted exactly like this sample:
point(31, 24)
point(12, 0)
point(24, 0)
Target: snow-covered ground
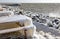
point(48, 33)
point(43, 30)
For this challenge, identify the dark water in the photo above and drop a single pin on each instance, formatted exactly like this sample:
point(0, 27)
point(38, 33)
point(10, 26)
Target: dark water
point(42, 7)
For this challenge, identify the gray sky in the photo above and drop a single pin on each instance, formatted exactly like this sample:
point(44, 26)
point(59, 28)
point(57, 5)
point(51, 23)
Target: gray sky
point(29, 1)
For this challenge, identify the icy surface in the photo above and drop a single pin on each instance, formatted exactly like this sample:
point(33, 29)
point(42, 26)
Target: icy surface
point(42, 21)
